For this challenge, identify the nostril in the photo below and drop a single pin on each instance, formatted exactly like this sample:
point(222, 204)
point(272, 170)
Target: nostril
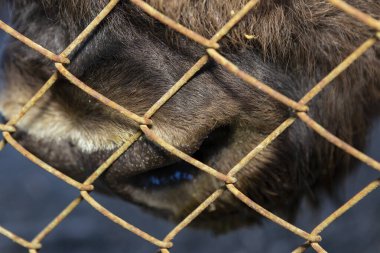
point(179, 172)
point(164, 177)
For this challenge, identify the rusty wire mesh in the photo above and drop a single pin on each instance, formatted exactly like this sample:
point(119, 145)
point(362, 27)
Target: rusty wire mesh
point(211, 46)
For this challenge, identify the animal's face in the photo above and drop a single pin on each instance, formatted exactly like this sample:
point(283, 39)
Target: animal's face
point(216, 118)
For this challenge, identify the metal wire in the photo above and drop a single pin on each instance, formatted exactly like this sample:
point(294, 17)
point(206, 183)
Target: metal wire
point(211, 50)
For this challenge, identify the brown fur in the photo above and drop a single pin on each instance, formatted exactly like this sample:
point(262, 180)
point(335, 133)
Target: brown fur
point(133, 60)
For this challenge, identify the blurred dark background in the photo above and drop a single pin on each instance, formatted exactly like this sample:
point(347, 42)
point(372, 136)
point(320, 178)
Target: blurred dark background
point(30, 198)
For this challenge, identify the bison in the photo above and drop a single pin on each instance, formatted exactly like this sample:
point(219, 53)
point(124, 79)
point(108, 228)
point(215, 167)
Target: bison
point(134, 59)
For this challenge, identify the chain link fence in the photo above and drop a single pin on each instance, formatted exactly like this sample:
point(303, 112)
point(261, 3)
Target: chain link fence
point(312, 239)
